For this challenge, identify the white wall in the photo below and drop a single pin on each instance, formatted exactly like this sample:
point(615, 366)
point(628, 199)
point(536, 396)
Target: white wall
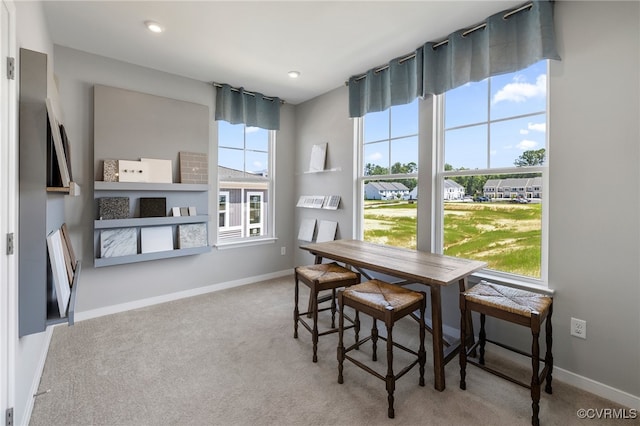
point(595, 232)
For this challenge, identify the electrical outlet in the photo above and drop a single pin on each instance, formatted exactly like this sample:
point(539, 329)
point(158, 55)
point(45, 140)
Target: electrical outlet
point(579, 328)
point(283, 251)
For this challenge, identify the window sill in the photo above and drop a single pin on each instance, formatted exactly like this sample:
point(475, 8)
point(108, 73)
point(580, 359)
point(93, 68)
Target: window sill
point(245, 243)
point(511, 282)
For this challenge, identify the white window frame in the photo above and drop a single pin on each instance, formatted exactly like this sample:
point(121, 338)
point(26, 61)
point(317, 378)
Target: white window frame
point(440, 175)
point(431, 188)
point(360, 177)
point(270, 235)
point(260, 225)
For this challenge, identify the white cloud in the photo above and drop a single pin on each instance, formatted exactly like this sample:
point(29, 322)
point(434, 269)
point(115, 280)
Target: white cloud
point(252, 129)
point(538, 127)
point(375, 156)
point(520, 90)
point(526, 145)
point(257, 165)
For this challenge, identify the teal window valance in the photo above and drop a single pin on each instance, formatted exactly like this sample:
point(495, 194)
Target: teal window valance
point(236, 106)
point(508, 41)
point(398, 83)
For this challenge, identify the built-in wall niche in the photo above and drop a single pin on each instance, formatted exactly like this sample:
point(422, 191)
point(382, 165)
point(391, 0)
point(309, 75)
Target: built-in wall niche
point(145, 148)
point(48, 273)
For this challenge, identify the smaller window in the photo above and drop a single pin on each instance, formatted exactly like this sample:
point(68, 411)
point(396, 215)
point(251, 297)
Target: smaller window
point(244, 182)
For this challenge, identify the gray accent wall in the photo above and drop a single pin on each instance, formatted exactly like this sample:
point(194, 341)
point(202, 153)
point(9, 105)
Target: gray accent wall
point(77, 72)
point(320, 120)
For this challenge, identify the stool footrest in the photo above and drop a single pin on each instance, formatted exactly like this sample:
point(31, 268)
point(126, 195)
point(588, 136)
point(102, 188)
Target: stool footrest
point(329, 331)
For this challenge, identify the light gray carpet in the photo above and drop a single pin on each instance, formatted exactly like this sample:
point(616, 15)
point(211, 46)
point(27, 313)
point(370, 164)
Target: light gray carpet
point(229, 358)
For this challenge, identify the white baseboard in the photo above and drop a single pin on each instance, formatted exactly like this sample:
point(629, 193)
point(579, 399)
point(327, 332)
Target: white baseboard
point(123, 307)
point(583, 383)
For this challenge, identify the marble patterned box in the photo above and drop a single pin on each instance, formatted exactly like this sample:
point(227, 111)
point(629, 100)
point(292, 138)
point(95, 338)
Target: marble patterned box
point(192, 235)
point(118, 242)
point(113, 208)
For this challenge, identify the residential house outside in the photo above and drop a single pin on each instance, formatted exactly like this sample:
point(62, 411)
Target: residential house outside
point(242, 205)
point(513, 188)
point(453, 190)
point(385, 191)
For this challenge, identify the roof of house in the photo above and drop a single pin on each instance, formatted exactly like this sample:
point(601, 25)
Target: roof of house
point(513, 182)
point(388, 186)
point(452, 184)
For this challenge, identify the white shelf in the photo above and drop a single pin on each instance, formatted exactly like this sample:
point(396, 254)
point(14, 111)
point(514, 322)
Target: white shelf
point(311, 172)
point(145, 186)
point(148, 221)
point(134, 258)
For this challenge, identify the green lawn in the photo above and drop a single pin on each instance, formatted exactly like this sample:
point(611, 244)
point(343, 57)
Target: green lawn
point(506, 236)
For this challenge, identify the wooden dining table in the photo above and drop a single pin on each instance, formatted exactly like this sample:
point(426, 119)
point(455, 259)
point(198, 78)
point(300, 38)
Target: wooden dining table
point(410, 266)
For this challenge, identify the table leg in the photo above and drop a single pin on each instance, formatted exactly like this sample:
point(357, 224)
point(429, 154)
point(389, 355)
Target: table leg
point(438, 345)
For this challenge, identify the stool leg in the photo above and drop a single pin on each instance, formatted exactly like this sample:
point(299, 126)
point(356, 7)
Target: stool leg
point(390, 379)
point(356, 328)
point(314, 334)
point(535, 364)
point(483, 338)
point(549, 357)
point(374, 339)
point(333, 308)
point(296, 313)
point(463, 339)
point(340, 336)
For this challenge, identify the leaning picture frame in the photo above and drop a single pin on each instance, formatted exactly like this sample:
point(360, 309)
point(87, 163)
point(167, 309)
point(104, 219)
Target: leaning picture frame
point(58, 145)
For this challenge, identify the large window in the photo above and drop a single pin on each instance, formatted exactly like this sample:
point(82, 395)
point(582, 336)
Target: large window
point(489, 173)
point(494, 150)
point(244, 182)
point(388, 175)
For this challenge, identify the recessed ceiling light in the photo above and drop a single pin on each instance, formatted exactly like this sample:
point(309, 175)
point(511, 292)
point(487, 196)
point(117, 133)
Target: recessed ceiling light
point(154, 26)
point(294, 74)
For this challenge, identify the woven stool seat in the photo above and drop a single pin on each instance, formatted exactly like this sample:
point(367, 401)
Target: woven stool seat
point(324, 273)
point(382, 296)
point(387, 303)
point(320, 277)
point(516, 306)
point(515, 301)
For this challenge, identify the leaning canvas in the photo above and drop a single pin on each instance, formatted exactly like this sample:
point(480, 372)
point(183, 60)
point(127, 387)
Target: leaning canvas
point(58, 267)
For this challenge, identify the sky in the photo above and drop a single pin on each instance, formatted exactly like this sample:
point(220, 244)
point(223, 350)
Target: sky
point(467, 134)
point(232, 139)
point(468, 109)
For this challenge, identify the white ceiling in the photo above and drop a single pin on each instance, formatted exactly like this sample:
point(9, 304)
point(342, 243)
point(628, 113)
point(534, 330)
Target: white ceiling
point(254, 44)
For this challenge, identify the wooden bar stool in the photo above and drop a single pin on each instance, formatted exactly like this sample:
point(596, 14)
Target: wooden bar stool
point(517, 306)
point(387, 303)
point(319, 277)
